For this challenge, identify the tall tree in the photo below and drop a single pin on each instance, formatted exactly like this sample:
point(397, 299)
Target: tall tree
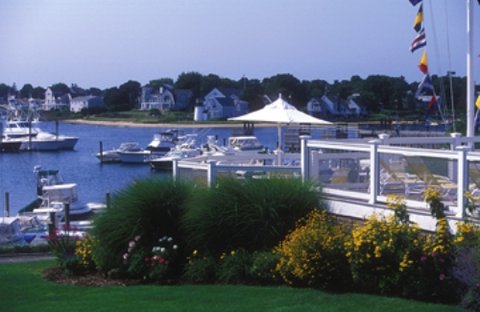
point(130, 91)
point(191, 81)
point(26, 91)
point(38, 93)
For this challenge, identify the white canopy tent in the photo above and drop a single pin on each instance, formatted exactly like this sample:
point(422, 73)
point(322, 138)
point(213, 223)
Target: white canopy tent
point(280, 112)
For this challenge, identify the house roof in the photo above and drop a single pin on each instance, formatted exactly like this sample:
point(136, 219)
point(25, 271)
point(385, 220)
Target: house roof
point(226, 102)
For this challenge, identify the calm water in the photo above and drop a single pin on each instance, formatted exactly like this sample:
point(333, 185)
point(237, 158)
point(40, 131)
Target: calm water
point(80, 166)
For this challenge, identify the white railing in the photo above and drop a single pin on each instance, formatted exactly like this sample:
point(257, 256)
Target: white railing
point(454, 150)
point(459, 152)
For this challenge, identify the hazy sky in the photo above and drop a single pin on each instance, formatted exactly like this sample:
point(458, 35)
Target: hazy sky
point(104, 43)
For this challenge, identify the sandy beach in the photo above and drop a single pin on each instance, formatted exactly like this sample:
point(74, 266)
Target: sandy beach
point(162, 125)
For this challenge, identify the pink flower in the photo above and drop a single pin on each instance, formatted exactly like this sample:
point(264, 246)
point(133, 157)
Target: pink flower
point(423, 258)
point(125, 256)
point(131, 244)
point(441, 276)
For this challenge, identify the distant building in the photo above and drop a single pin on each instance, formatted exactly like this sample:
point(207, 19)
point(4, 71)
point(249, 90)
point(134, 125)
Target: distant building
point(331, 107)
point(56, 101)
point(221, 103)
point(77, 104)
point(164, 99)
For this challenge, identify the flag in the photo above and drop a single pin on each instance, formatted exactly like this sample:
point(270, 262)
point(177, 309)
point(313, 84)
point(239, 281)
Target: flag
point(432, 102)
point(477, 102)
point(419, 41)
point(417, 24)
point(425, 85)
point(423, 65)
point(415, 2)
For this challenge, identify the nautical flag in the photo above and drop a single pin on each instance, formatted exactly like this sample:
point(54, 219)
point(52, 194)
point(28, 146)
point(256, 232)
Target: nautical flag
point(419, 41)
point(415, 2)
point(417, 24)
point(425, 85)
point(432, 102)
point(477, 102)
point(423, 65)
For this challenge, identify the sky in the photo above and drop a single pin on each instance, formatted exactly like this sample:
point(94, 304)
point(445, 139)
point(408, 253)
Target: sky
point(105, 43)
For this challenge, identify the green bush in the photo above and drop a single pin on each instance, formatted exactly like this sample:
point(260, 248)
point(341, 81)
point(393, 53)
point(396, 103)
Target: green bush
point(314, 254)
point(149, 209)
point(263, 267)
point(200, 269)
point(248, 214)
point(234, 267)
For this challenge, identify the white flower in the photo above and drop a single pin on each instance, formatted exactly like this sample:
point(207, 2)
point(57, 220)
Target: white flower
point(169, 239)
point(155, 249)
point(175, 247)
point(162, 249)
point(131, 244)
point(125, 256)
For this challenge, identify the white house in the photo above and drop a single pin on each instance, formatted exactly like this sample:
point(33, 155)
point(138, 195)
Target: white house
point(55, 101)
point(86, 102)
point(163, 99)
point(223, 103)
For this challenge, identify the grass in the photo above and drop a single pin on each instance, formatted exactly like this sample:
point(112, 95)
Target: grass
point(23, 289)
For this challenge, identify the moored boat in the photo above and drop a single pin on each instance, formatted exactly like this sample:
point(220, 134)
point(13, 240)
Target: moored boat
point(113, 155)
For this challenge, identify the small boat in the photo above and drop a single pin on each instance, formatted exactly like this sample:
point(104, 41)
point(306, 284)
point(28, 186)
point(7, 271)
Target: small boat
point(163, 142)
point(245, 143)
point(185, 150)
point(112, 156)
point(53, 195)
point(165, 162)
point(134, 157)
point(35, 139)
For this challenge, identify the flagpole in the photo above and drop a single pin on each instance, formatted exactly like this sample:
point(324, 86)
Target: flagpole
point(470, 78)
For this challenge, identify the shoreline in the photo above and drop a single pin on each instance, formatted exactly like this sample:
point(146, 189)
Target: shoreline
point(129, 124)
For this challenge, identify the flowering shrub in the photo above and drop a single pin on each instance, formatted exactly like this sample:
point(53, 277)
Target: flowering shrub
point(468, 235)
point(83, 251)
point(234, 267)
point(435, 280)
point(149, 263)
point(314, 255)
point(200, 268)
point(382, 254)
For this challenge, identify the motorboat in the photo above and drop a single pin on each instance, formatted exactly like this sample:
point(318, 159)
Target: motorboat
point(53, 196)
point(245, 143)
point(187, 149)
point(164, 141)
point(113, 156)
point(139, 156)
point(35, 139)
point(165, 162)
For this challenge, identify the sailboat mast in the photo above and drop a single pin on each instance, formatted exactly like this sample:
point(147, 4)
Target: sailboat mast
point(470, 77)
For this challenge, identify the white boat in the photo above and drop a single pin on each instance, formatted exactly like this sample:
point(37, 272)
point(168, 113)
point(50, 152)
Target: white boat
point(245, 143)
point(35, 139)
point(113, 156)
point(54, 195)
point(165, 162)
point(134, 157)
point(163, 142)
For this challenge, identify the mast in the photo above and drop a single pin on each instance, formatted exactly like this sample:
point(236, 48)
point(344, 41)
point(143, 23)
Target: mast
point(470, 77)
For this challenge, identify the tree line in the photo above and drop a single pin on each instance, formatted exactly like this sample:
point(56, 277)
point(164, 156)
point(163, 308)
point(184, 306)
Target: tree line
point(376, 92)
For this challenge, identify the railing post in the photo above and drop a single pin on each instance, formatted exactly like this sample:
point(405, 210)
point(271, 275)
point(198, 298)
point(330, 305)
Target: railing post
point(174, 169)
point(455, 142)
point(374, 171)
point(211, 173)
point(462, 181)
point(305, 158)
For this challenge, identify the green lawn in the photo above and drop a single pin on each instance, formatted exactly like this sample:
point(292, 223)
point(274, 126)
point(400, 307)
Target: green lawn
point(23, 289)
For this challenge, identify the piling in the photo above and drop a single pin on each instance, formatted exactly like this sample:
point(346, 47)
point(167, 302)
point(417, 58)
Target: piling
point(67, 215)
point(51, 224)
point(107, 200)
point(101, 152)
point(6, 212)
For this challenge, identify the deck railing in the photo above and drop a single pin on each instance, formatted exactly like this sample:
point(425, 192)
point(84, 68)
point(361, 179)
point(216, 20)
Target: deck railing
point(370, 170)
